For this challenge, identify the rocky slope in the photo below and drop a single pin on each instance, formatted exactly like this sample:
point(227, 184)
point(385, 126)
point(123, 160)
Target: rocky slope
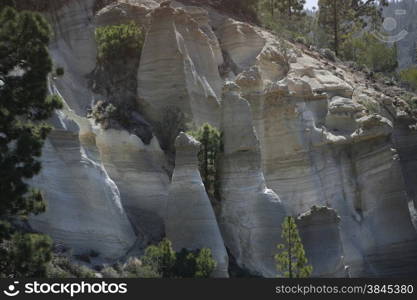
point(299, 139)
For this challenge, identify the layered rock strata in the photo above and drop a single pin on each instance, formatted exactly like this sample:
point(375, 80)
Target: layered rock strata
point(298, 130)
point(250, 212)
point(191, 223)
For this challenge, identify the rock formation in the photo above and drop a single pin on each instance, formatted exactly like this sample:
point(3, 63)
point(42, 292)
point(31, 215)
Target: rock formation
point(89, 215)
point(138, 171)
point(322, 224)
point(299, 132)
point(179, 68)
point(250, 212)
point(191, 223)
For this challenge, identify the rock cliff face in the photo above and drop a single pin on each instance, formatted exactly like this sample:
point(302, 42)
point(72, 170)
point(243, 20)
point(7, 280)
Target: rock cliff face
point(299, 139)
point(67, 168)
point(322, 223)
point(184, 73)
point(191, 223)
point(250, 213)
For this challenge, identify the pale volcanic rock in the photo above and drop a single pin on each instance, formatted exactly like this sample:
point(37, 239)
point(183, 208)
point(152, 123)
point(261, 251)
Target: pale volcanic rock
point(179, 68)
point(305, 129)
point(74, 48)
point(342, 114)
point(119, 13)
point(320, 235)
point(319, 147)
point(251, 214)
point(74, 33)
point(138, 171)
point(324, 81)
point(191, 223)
point(241, 42)
point(83, 207)
point(406, 142)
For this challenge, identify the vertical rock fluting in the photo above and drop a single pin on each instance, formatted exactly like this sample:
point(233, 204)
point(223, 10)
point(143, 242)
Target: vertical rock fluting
point(83, 208)
point(322, 224)
point(191, 223)
point(241, 42)
point(320, 148)
point(251, 214)
point(74, 48)
point(179, 68)
point(138, 171)
point(314, 146)
point(406, 142)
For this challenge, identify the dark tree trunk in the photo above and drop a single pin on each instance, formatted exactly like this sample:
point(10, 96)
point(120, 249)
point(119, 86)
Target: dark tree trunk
point(289, 249)
point(336, 27)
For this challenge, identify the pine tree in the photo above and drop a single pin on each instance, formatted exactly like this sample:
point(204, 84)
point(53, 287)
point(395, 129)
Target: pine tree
point(29, 254)
point(185, 264)
point(291, 260)
point(205, 264)
point(287, 8)
point(290, 8)
point(24, 106)
point(271, 5)
point(332, 13)
point(339, 18)
point(161, 258)
point(210, 139)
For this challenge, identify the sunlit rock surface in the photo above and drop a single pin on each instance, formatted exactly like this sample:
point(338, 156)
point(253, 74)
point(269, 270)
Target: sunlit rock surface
point(179, 68)
point(75, 185)
point(138, 171)
point(250, 212)
point(191, 223)
point(322, 224)
point(298, 132)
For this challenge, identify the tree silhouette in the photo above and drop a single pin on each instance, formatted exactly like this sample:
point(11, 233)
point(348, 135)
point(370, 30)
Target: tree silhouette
point(291, 260)
point(210, 139)
point(24, 107)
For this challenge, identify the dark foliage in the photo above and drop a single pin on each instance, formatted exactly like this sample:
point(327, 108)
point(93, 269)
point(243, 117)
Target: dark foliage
point(24, 106)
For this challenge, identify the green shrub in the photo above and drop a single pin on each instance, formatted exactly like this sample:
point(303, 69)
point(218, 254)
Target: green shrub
point(110, 272)
point(59, 72)
point(102, 112)
point(244, 9)
point(27, 255)
point(369, 51)
point(34, 5)
point(205, 264)
point(62, 267)
point(173, 121)
point(372, 107)
point(25, 107)
point(184, 264)
point(298, 26)
point(194, 264)
point(119, 41)
point(161, 258)
point(409, 77)
point(302, 40)
point(135, 268)
point(328, 54)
